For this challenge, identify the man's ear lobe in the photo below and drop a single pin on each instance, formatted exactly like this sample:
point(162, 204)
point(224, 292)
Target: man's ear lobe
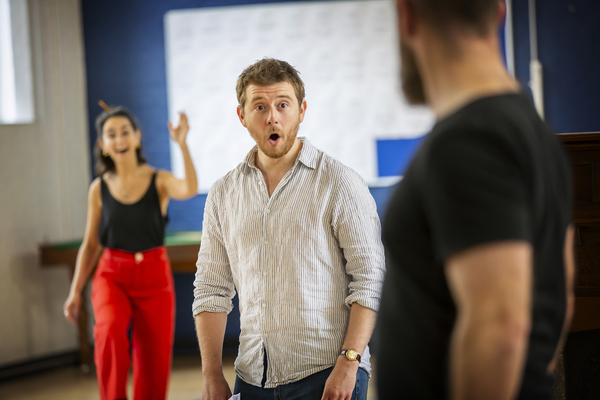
point(501, 14)
point(240, 113)
point(406, 18)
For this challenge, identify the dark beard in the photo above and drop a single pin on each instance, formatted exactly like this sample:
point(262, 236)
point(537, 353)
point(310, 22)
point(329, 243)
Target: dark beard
point(412, 84)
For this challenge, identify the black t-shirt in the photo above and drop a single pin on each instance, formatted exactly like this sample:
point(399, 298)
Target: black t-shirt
point(491, 171)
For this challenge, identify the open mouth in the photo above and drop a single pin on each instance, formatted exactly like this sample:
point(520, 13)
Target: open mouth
point(274, 138)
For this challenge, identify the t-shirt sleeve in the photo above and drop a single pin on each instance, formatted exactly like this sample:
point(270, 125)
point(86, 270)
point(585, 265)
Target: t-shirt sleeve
point(475, 190)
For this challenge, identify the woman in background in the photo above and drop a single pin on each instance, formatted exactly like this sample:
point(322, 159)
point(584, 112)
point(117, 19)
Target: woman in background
point(133, 283)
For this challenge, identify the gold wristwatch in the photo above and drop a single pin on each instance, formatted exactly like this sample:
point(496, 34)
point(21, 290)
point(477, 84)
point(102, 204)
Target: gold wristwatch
point(351, 355)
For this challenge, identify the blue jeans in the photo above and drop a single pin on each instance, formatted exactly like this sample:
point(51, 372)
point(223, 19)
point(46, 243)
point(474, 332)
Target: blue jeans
point(309, 388)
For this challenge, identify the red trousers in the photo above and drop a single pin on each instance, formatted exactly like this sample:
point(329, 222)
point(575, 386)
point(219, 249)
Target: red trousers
point(133, 290)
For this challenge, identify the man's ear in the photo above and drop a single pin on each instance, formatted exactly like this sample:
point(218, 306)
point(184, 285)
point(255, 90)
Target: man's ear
point(302, 110)
point(240, 113)
point(500, 14)
point(407, 18)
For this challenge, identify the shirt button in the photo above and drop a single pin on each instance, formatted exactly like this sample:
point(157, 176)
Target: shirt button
point(266, 242)
point(264, 305)
point(266, 335)
point(264, 274)
point(268, 211)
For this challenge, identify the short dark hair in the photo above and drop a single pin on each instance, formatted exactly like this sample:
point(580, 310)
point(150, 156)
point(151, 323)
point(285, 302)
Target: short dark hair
point(475, 15)
point(106, 164)
point(267, 72)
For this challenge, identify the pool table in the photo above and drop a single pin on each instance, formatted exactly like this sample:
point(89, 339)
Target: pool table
point(182, 248)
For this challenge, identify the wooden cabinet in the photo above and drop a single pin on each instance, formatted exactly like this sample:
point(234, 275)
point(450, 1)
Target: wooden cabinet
point(584, 152)
point(582, 350)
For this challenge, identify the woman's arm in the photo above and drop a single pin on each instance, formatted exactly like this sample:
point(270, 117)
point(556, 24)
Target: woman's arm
point(171, 186)
point(88, 253)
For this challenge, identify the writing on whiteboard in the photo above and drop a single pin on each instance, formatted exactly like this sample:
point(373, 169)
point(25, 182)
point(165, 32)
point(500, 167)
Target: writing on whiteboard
point(347, 56)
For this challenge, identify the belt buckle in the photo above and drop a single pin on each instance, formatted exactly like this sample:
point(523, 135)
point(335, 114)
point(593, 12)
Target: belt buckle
point(139, 257)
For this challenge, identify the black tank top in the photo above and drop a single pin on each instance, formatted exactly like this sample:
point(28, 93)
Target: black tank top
point(132, 227)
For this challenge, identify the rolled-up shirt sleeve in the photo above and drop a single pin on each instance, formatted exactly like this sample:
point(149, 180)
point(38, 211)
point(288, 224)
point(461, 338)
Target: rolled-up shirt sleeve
point(358, 230)
point(213, 285)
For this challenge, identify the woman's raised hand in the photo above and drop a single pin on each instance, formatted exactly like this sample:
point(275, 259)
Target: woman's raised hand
point(179, 133)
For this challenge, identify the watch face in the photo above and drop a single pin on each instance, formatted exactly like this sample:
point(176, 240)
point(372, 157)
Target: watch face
point(351, 355)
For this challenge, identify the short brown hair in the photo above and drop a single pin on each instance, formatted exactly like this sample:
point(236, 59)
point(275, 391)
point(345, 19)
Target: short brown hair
point(475, 15)
point(267, 72)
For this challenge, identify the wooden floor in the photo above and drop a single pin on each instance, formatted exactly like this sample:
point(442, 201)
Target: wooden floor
point(69, 383)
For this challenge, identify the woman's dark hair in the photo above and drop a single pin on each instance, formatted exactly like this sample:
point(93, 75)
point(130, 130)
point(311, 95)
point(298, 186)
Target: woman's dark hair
point(106, 164)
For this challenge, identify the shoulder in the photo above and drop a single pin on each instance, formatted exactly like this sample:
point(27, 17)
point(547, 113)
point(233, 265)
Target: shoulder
point(95, 191)
point(478, 138)
point(344, 180)
point(338, 169)
point(95, 185)
point(161, 173)
point(161, 176)
point(230, 182)
point(234, 176)
point(506, 122)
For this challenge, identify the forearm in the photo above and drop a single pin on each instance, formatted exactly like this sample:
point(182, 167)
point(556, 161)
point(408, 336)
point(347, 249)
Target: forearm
point(86, 256)
point(190, 172)
point(210, 329)
point(342, 380)
point(360, 328)
point(487, 359)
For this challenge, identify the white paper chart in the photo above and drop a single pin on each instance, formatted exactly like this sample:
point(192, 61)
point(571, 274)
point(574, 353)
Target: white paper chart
point(347, 56)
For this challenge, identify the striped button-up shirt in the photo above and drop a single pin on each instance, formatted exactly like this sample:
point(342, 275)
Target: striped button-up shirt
point(298, 259)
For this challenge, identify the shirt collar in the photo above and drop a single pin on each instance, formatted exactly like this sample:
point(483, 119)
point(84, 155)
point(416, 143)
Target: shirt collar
point(308, 154)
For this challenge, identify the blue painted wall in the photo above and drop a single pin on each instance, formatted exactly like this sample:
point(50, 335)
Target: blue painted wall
point(125, 61)
point(569, 50)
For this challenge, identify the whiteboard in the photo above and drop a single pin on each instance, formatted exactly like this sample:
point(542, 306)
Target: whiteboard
point(347, 56)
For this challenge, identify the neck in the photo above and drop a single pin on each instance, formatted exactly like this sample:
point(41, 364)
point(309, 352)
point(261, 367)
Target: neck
point(278, 166)
point(455, 77)
point(126, 168)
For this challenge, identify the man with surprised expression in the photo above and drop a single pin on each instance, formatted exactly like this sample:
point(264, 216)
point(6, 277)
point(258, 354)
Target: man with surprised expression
point(296, 233)
point(273, 119)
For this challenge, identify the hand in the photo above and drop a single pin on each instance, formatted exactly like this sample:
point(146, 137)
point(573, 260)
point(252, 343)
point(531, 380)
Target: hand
point(215, 388)
point(72, 307)
point(341, 382)
point(179, 133)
